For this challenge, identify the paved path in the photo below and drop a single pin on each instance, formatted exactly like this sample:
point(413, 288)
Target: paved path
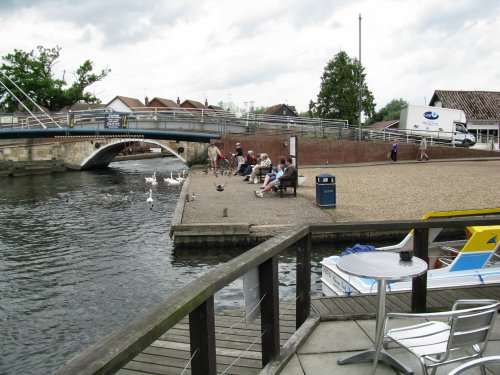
point(364, 192)
point(333, 340)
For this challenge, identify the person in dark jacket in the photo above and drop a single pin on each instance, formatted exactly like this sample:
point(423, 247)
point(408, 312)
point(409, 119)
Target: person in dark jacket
point(239, 157)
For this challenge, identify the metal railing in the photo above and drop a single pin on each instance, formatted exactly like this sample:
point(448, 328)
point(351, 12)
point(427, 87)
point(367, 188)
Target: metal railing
point(196, 299)
point(221, 121)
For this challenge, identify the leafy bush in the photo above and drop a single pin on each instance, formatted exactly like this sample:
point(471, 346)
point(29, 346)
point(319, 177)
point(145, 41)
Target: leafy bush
point(197, 159)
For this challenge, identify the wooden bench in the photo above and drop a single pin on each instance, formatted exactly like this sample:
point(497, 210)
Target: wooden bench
point(289, 183)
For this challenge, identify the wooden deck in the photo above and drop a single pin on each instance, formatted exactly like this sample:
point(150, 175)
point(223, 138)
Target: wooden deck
point(239, 346)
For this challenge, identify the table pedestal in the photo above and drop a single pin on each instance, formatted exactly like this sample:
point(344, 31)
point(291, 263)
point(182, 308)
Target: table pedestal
point(377, 353)
point(369, 355)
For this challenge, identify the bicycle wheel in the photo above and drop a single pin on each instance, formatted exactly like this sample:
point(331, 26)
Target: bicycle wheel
point(233, 163)
point(224, 164)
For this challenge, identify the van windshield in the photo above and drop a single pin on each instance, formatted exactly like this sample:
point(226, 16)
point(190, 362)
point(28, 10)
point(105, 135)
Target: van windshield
point(460, 128)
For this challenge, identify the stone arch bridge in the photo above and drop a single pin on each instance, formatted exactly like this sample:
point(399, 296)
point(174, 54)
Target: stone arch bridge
point(82, 149)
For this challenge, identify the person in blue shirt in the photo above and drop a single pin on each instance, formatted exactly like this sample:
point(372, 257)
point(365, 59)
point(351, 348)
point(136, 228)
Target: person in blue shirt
point(271, 176)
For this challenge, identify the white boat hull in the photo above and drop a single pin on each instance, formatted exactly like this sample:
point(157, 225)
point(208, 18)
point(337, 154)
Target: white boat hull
point(335, 282)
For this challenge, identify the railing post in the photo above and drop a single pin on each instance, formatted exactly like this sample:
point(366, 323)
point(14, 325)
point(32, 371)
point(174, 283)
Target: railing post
point(269, 310)
point(303, 290)
point(202, 339)
point(419, 283)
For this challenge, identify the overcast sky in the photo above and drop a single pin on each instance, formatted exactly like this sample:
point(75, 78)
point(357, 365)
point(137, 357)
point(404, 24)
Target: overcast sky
point(263, 51)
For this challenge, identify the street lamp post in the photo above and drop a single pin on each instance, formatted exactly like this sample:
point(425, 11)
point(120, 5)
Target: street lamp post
point(360, 83)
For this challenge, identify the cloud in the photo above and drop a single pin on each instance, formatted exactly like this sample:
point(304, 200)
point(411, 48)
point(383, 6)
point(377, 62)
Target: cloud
point(266, 51)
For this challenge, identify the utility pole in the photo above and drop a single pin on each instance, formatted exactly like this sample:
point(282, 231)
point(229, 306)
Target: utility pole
point(360, 86)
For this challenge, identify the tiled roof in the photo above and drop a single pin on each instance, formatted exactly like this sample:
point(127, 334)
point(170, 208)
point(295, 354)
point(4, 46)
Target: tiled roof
point(477, 105)
point(84, 106)
point(276, 109)
point(194, 103)
point(166, 102)
point(215, 107)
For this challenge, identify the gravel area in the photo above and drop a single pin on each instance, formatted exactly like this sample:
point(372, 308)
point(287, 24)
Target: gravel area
point(375, 192)
point(408, 190)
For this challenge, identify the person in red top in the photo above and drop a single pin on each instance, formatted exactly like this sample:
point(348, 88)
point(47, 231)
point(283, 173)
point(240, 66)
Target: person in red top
point(249, 159)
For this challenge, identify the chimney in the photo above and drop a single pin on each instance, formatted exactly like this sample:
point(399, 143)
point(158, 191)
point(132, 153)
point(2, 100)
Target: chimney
point(206, 103)
point(178, 101)
point(146, 101)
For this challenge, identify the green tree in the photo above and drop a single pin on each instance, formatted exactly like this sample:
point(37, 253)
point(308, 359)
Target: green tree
point(258, 110)
point(391, 111)
point(338, 97)
point(32, 73)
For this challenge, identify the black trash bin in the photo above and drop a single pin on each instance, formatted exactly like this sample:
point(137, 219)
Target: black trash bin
point(326, 191)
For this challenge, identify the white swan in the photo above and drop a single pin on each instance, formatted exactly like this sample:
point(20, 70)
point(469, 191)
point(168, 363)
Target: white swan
point(171, 180)
point(150, 199)
point(151, 179)
point(179, 178)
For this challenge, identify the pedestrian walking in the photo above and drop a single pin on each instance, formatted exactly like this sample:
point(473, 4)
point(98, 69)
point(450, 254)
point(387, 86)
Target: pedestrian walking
point(394, 151)
point(213, 154)
point(422, 148)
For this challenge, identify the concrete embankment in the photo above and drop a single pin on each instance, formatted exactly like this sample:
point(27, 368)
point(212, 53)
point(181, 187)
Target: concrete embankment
point(364, 192)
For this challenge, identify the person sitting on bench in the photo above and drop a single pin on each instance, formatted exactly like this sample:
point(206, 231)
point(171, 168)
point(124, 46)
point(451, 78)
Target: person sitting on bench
point(287, 174)
point(271, 176)
point(265, 163)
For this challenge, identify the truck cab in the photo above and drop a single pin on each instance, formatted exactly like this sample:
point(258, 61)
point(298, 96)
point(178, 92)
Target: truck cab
point(461, 135)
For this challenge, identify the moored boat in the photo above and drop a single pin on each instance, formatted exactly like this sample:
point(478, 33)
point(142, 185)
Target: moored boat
point(474, 260)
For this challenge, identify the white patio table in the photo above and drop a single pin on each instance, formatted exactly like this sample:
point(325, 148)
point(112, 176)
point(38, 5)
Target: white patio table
point(381, 266)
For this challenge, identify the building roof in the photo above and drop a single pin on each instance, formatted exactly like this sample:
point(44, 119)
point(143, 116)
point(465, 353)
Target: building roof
point(132, 103)
point(84, 106)
point(278, 110)
point(193, 104)
point(478, 105)
point(165, 102)
point(384, 124)
point(216, 108)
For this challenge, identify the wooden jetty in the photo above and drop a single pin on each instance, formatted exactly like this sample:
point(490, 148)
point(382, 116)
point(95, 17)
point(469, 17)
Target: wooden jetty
point(184, 330)
point(239, 346)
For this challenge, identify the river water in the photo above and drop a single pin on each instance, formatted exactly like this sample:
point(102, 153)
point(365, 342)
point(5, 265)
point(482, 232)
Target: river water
point(83, 253)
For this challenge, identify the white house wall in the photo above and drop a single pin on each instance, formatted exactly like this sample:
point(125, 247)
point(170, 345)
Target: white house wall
point(118, 106)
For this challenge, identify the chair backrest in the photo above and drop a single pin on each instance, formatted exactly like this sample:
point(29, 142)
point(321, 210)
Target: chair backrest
point(472, 326)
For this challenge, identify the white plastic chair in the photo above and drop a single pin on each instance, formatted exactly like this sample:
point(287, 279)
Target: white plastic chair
point(433, 341)
point(476, 362)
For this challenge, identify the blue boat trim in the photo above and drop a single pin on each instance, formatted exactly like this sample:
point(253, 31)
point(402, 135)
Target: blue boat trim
point(470, 261)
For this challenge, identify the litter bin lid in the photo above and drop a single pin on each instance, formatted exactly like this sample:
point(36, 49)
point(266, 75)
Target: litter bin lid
point(325, 177)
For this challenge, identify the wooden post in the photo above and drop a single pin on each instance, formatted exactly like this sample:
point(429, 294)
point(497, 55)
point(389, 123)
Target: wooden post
point(269, 310)
point(202, 339)
point(303, 290)
point(419, 283)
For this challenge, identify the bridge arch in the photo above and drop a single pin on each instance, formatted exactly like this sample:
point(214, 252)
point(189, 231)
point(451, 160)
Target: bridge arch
point(104, 153)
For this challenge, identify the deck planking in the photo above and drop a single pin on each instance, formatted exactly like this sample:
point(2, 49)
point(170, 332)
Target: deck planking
point(239, 347)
